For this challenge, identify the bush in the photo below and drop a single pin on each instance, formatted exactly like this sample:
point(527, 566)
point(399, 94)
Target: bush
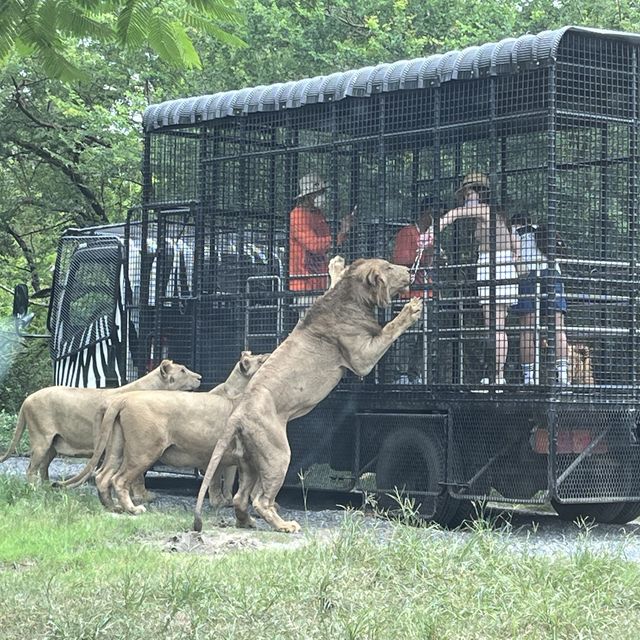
point(24, 368)
point(7, 427)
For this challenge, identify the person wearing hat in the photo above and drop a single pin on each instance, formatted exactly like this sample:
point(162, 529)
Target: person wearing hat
point(473, 197)
point(310, 238)
point(413, 247)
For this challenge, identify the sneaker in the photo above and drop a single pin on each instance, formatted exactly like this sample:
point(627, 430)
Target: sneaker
point(498, 381)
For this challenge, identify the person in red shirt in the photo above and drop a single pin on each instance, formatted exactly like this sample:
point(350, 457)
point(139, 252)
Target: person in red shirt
point(310, 239)
point(415, 243)
point(413, 247)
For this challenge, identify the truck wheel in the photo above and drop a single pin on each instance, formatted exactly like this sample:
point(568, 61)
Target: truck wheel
point(413, 460)
point(630, 511)
point(605, 512)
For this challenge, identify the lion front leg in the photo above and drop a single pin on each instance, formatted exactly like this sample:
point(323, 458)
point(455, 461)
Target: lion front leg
point(364, 354)
point(336, 270)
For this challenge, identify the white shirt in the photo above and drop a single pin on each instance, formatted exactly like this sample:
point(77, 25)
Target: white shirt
point(531, 258)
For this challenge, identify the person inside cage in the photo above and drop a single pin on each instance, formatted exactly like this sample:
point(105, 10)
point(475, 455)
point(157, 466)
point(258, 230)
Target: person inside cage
point(413, 247)
point(473, 198)
point(534, 271)
point(310, 240)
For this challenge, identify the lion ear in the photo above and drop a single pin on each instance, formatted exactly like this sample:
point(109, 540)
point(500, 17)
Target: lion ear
point(372, 276)
point(164, 367)
point(245, 362)
point(376, 281)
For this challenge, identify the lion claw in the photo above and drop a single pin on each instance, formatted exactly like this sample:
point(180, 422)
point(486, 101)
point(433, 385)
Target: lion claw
point(290, 526)
point(413, 309)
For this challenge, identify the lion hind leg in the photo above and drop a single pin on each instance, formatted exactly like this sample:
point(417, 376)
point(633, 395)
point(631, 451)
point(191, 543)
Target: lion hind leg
point(220, 494)
point(122, 482)
point(267, 511)
point(40, 454)
point(140, 491)
point(271, 475)
point(103, 485)
point(44, 467)
point(246, 483)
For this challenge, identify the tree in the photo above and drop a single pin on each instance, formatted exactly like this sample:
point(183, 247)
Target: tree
point(48, 28)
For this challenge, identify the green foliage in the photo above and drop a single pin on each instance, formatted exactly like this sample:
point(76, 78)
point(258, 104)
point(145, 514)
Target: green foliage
point(48, 29)
point(24, 368)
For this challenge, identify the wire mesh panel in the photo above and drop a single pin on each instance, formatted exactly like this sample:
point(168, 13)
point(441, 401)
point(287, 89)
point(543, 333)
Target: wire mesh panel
point(503, 176)
point(597, 454)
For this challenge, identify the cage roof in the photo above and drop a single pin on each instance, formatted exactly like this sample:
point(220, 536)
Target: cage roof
point(495, 58)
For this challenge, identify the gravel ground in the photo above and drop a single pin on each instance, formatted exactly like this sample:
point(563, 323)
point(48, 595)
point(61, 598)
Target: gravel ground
point(525, 531)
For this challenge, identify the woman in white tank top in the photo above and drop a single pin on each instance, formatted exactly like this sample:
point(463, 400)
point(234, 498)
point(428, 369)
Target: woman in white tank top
point(474, 196)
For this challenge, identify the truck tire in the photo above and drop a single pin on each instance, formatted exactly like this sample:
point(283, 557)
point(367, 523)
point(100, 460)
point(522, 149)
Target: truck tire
point(630, 511)
point(415, 460)
point(604, 512)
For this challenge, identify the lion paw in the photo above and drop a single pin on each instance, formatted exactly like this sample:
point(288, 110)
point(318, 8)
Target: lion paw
point(217, 501)
point(246, 523)
point(336, 263)
point(413, 309)
point(138, 510)
point(336, 268)
point(147, 496)
point(290, 526)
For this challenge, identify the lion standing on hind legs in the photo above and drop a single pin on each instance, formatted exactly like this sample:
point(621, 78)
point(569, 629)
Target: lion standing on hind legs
point(339, 332)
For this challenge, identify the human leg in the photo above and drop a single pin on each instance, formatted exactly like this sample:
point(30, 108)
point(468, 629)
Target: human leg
point(502, 342)
point(562, 354)
point(527, 347)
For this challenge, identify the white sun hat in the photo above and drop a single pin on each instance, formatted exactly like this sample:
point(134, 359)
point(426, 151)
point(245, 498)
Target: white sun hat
point(311, 183)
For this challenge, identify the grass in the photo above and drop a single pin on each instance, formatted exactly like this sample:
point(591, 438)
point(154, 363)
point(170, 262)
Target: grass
point(68, 570)
point(7, 428)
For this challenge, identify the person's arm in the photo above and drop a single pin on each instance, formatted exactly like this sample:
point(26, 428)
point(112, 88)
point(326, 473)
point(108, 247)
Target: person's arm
point(404, 251)
point(466, 211)
point(303, 233)
point(515, 247)
point(345, 226)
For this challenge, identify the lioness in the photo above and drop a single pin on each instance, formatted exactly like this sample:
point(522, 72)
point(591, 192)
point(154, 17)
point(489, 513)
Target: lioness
point(340, 331)
point(60, 420)
point(178, 429)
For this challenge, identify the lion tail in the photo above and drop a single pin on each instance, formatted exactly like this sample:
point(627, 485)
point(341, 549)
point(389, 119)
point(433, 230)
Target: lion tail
point(17, 434)
point(219, 450)
point(103, 426)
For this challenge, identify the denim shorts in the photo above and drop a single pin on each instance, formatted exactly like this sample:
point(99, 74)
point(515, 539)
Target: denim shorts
point(527, 289)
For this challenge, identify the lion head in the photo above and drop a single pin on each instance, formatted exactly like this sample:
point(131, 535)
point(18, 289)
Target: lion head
point(382, 280)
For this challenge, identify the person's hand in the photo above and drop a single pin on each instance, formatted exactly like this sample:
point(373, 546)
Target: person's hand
point(425, 239)
point(347, 221)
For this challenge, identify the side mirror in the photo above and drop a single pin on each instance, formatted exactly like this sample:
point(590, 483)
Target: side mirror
point(20, 308)
point(20, 300)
